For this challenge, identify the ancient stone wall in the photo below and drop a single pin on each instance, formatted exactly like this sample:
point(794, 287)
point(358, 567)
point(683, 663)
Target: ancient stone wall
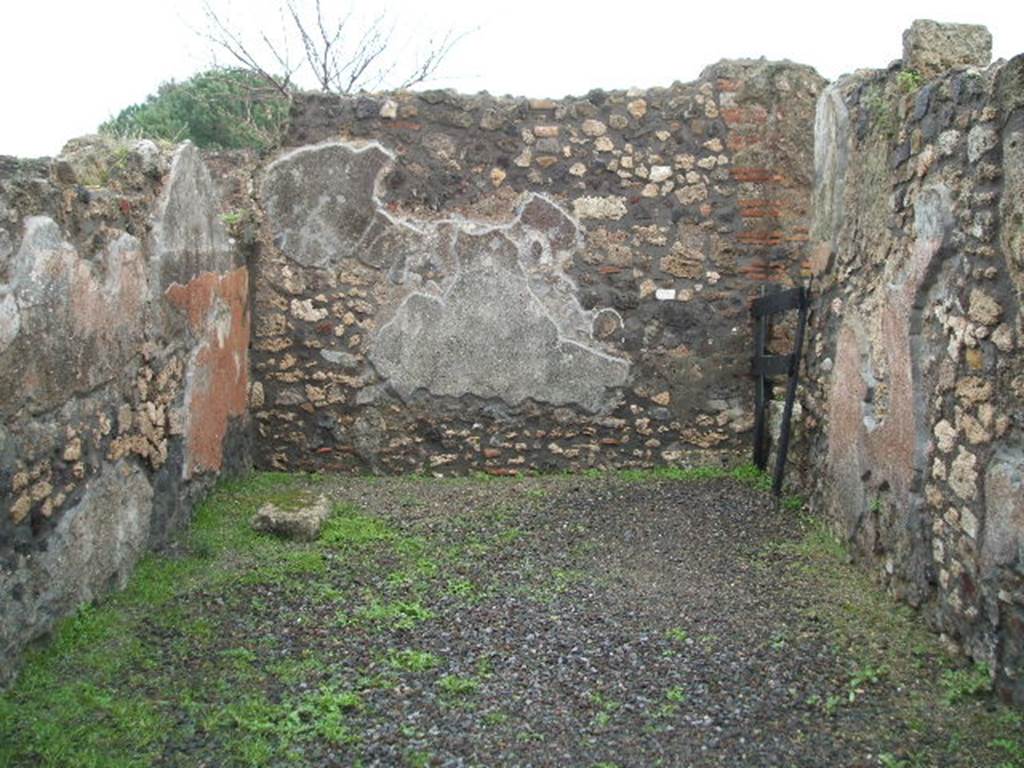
point(913, 415)
point(124, 333)
point(449, 282)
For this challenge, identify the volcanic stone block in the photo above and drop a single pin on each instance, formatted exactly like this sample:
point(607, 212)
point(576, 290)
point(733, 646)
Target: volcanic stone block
point(932, 48)
point(300, 524)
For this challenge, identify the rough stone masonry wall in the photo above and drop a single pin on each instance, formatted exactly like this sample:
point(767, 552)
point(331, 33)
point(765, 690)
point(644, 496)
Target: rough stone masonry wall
point(914, 420)
point(451, 282)
point(124, 331)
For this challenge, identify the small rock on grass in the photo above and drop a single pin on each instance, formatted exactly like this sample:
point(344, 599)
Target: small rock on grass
point(299, 524)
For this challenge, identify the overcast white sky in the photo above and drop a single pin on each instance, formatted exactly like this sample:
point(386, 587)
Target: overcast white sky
point(67, 66)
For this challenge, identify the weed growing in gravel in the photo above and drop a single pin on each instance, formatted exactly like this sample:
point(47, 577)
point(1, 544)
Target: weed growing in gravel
point(411, 660)
point(708, 641)
point(484, 666)
point(667, 709)
point(606, 708)
point(960, 684)
point(863, 677)
point(455, 685)
point(676, 694)
point(563, 578)
point(397, 615)
point(677, 634)
point(462, 588)
point(793, 503)
point(527, 735)
point(832, 703)
point(492, 719)
point(418, 758)
point(1012, 749)
point(267, 726)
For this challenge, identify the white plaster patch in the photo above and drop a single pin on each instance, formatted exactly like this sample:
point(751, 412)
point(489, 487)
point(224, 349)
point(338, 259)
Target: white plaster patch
point(10, 320)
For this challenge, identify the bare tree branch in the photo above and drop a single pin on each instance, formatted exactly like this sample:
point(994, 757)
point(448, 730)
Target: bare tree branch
point(433, 59)
point(223, 37)
point(337, 61)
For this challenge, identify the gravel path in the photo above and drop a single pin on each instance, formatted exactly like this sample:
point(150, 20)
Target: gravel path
point(563, 621)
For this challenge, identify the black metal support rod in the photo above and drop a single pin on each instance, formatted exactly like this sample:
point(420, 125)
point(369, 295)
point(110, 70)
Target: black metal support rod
point(760, 457)
point(787, 413)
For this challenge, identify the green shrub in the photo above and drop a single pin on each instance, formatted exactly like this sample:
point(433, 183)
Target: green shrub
point(216, 109)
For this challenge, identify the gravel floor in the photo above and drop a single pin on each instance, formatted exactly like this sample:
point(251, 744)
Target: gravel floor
point(564, 621)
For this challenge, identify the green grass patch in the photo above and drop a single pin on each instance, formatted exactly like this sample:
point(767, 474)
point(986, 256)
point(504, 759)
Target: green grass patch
point(462, 588)
point(256, 729)
point(412, 660)
point(349, 528)
point(677, 634)
point(606, 708)
point(456, 685)
point(78, 724)
point(397, 615)
point(98, 694)
point(960, 684)
point(675, 694)
point(494, 719)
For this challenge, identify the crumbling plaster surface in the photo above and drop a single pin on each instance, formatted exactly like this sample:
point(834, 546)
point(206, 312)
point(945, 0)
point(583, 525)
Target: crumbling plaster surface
point(878, 410)
point(216, 386)
point(93, 548)
point(913, 399)
point(124, 337)
point(476, 309)
point(69, 325)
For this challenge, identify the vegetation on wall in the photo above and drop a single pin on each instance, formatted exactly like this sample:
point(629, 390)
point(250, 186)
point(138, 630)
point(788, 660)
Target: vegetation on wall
point(215, 109)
